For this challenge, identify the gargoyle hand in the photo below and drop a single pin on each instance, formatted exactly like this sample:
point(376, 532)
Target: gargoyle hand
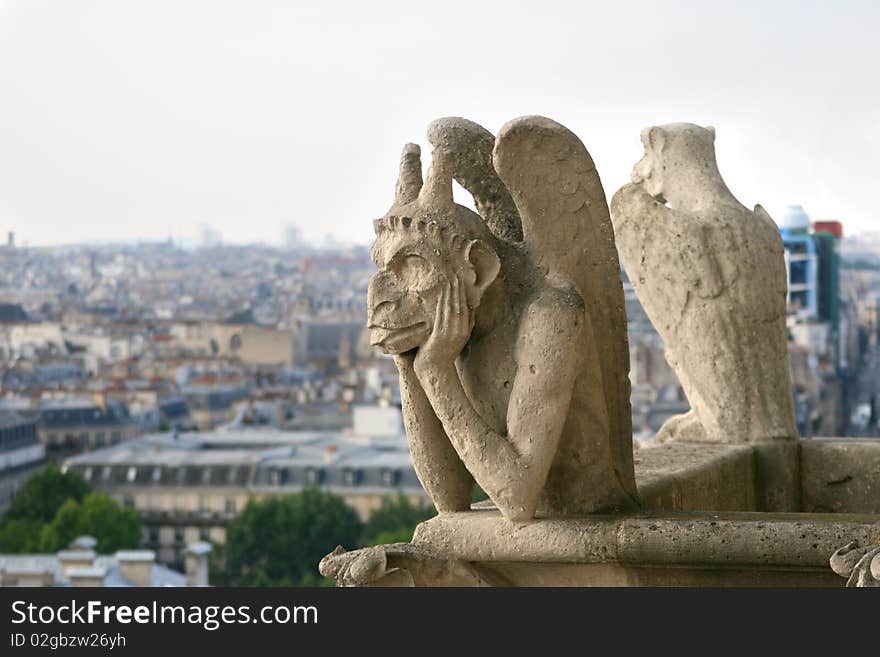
point(452, 328)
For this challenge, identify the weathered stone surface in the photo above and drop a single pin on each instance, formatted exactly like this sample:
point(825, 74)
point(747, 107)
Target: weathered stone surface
point(840, 475)
point(402, 565)
point(696, 477)
point(512, 353)
point(661, 538)
point(777, 475)
point(760, 549)
point(860, 565)
point(711, 276)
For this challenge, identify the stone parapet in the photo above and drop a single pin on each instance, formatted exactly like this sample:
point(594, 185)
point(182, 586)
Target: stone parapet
point(696, 476)
point(840, 475)
point(663, 549)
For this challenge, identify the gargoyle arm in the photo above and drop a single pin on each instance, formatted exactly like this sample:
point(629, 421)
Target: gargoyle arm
point(445, 478)
point(513, 468)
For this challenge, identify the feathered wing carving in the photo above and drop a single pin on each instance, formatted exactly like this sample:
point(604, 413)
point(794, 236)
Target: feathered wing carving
point(567, 230)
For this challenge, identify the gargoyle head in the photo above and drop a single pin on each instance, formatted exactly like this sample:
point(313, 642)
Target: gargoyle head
point(422, 243)
point(675, 155)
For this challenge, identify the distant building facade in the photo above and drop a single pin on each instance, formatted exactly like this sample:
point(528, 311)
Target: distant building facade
point(188, 487)
point(21, 452)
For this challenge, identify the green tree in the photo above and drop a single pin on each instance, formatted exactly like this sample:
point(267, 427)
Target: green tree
point(99, 515)
point(396, 520)
point(35, 505)
point(19, 535)
point(279, 541)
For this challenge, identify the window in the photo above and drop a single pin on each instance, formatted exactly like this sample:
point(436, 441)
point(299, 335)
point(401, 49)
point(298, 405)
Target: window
point(204, 503)
point(87, 473)
point(157, 474)
point(106, 472)
point(116, 437)
point(178, 534)
point(128, 501)
point(351, 477)
point(131, 475)
point(204, 534)
point(389, 477)
point(206, 476)
point(99, 438)
point(232, 475)
point(181, 475)
point(229, 505)
point(153, 533)
point(314, 476)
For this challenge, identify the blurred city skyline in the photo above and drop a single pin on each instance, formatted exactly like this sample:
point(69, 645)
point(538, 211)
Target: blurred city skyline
point(128, 121)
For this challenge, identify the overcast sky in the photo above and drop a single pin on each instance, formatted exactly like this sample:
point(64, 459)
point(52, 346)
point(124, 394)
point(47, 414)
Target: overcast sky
point(131, 119)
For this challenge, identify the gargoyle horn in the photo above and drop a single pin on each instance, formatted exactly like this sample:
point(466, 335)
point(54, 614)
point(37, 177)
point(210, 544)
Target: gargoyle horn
point(437, 190)
point(409, 182)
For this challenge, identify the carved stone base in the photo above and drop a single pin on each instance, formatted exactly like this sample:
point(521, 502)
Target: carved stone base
point(661, 549)
point(860, 565)
point(403, 565)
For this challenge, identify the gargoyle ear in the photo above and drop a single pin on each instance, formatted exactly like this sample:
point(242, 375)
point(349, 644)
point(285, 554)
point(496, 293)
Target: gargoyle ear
point(711, 130)
point(654, 139)
point(485, 266)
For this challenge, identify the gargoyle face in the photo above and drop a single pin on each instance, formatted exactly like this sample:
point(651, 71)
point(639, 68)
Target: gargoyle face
point(402, 296)
point(648, 171)
point(415, 263)
point(423, 244)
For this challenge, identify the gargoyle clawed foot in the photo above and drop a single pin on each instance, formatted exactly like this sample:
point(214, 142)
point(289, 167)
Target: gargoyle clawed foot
point(402, 565)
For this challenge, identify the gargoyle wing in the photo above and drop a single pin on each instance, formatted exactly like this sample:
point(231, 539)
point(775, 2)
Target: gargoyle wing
point(567, 231)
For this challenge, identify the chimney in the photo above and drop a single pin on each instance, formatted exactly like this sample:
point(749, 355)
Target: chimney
point(136, 566)
point(70, 559)
point(29, 576)
point(84, 543)
point(87, 576)
point(100, 398)
point(196, 563)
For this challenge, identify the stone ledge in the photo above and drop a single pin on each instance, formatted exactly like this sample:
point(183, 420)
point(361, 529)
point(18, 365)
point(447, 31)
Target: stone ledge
point(777, 540)
point(696, 476)
point(840, 475)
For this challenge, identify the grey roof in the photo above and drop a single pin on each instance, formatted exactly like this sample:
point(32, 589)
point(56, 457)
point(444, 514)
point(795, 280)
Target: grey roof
point(11, 419)
point(56, 414)
point(106, 564)
point(12, 312)
point(253, 457)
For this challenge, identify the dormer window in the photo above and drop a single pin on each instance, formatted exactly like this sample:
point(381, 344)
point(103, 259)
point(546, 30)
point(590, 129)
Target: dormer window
point(389, 477)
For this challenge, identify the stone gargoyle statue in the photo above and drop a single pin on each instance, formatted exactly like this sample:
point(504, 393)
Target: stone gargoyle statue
point(508, 329)
point(710, 274)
